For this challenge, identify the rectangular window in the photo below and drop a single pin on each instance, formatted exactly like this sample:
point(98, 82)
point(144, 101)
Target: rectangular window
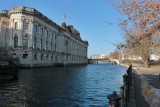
point(47, 33)
point(26, 24)
point(25, 41)
point(52, 57)
point(47, 57)
point(51, 35)
point(41, 44)
point(35, 57)
point(25, 56)
point(54, 47)
point(55, 37)
point(16, 25)
point(51, 45)
point(46, 45)
point(41, 31)
point(41, 57)
point(34, 43)
point(14, 55)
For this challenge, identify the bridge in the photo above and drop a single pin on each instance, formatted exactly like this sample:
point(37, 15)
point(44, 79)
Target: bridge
point(95, 61)
point(115, 61)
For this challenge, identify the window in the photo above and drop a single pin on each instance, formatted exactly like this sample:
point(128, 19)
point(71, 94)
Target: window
point(66, 46)
point(41, 31)
point(41, 44)
point(14, 55)
point(34, 42)
point(47, 33)
point(46, 46)
point(55, 37)
point(51, 45)
point(51, 35)
point(35, 28)
point(15, 41)
point(25, 41)
point(35, 56)
point(16, 25)
point(52, 57)
point(26, 24)
point(54, 47)
point(25, 56)
point(42, 57)
point(47, 56)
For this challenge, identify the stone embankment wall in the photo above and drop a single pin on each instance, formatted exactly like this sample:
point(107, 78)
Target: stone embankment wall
point(151, 94)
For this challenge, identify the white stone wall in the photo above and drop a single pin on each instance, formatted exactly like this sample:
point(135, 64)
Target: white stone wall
point(4, 31)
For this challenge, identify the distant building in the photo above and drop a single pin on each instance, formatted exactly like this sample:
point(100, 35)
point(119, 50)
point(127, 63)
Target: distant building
point(38, 41)
point(101, 56)
point(126, 56)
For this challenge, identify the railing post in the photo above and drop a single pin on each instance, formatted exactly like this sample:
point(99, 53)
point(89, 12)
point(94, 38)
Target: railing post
point(114, 99)
point(122, 96)
point(128, 79)
point(126, 92)
point(130, 74)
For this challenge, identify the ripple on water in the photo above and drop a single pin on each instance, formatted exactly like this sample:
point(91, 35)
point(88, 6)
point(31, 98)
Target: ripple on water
point(80, 86)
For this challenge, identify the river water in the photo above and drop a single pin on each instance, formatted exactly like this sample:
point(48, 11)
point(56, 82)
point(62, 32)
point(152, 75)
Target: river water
point(74, 86)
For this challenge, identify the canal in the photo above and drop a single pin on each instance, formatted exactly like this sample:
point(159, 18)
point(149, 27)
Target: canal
point(74, 86)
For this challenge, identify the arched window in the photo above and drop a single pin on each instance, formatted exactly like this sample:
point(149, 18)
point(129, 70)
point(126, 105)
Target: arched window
point(25, 41)
point(35, 28)
point(16, 25)
point(15, 41)
point(26, 24)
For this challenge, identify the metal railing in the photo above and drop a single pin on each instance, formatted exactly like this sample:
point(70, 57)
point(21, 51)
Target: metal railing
point(123, 98)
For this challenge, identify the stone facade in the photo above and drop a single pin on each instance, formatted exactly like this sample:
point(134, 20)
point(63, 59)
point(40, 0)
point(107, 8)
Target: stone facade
point(38, 41)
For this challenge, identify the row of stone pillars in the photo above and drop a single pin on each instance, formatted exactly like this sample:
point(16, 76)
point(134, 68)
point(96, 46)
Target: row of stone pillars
point(122, 99)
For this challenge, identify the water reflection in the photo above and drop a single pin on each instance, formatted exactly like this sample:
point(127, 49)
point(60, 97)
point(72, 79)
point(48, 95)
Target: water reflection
point(81, 86)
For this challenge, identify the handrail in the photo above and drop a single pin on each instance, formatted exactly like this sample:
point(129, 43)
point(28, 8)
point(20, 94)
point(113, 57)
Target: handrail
point(124, 94)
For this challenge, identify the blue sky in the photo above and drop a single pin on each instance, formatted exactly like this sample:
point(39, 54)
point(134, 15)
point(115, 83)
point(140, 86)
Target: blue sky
point(91, 18)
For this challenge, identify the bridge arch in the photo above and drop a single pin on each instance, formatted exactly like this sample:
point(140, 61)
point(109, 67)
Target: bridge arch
point(115, 61)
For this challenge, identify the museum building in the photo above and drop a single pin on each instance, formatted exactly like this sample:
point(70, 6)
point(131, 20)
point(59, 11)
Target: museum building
point(36, 41)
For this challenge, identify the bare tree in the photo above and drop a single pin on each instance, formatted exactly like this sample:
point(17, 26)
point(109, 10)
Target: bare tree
point(139, 46)
point(114, 55)
point(142, 23)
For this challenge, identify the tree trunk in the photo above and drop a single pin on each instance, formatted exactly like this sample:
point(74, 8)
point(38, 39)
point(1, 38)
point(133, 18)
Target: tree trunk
point(147, 63)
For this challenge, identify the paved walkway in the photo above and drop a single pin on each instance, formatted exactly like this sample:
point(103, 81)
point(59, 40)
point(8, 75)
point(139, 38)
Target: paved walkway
point(151, 76)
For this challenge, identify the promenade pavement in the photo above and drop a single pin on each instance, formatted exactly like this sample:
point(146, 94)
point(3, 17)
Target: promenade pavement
point(151, 76)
